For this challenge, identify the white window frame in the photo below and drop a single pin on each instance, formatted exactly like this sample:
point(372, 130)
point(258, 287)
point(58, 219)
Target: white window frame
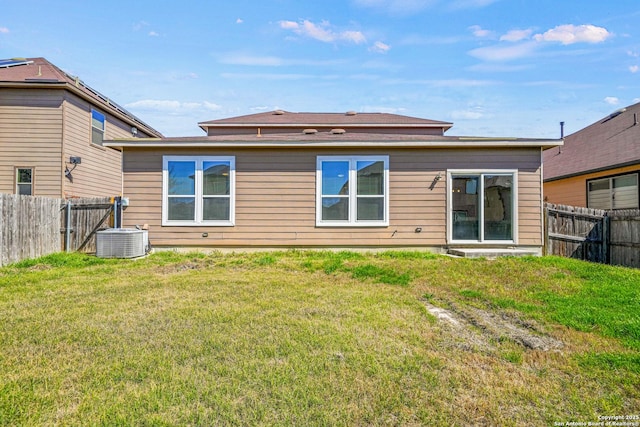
point(17, 179)
point(353, 198)
point(198, 221)
point(611, 201)
point(104, 126)
point(481, 173)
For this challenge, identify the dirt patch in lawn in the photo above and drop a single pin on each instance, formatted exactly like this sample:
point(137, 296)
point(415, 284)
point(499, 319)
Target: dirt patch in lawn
point(481, 330)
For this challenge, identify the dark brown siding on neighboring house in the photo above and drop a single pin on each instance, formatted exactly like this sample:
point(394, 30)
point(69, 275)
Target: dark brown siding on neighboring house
point(31, 137)
point(276, 197)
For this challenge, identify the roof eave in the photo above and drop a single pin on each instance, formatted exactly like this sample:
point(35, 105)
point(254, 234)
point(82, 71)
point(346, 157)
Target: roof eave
point(68, 86)
point(495, 143)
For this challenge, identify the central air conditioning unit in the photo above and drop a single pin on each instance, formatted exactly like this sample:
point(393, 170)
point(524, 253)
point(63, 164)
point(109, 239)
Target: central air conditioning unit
point(121, 243)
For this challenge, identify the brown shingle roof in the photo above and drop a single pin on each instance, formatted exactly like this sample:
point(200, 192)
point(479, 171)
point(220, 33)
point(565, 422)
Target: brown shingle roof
point(39, 71)
point(611, 142)
point(349, 119)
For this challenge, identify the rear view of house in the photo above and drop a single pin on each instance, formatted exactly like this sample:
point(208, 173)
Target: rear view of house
point(283, 179)
point(52, 128)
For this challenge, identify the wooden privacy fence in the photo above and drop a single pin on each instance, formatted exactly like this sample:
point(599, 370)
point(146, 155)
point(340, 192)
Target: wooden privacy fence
point(610, 237)
point(80, 220)
point(31, 227)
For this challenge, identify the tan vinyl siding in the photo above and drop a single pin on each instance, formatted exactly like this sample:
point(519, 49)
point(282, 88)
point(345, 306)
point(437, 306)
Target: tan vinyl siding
point(31, 137)
point(573, 191)
point(99, 174)
point(276, 197)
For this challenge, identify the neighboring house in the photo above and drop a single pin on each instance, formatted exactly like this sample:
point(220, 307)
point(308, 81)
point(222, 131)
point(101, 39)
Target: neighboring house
point(598, 166)
point(52, 128)
point(282, 179)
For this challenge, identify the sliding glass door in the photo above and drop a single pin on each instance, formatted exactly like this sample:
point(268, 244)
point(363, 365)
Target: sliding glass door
point(482, 206)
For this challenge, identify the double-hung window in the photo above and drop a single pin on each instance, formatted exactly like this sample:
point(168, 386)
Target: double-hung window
point(97, 127)
point(352, 191)
point(482, 206)
point(198, 190)
point(24, 181)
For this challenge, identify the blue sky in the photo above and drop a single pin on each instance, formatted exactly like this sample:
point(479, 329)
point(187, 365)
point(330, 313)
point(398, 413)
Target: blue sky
point(492, 67)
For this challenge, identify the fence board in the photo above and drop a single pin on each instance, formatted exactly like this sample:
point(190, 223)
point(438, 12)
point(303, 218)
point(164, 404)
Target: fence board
point(576, 232)
point(29, 227)
point(625, 237)
point(594, 235)
point(86, 217)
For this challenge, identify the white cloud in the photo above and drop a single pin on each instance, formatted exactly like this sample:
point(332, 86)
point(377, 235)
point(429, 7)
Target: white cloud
point(171, 106)
point(4, 30)
point(471, 4)
point(323, 31)
point(402, 7)
point(634, 68)
point(388, 110)
point(503, 53)
point(289, 25)
point(380, 47)
point(570, 34)
point(239, 21)
point(516, 35)
point(140, 25)
point(270, 76)
point(633, 54)
point(238, 58)
point(612, 100)
point(251, 60)
point(353, 36)
point(466, 115)
point(479, 32)
point(153, 34)
point(523, 47)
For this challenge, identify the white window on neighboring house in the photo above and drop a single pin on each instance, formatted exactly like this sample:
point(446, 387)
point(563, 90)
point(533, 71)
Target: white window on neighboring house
point(352, 191)
point(617, 192)
point(482, 206)
point(97, 127)
point(24, 181)
point(198, 190)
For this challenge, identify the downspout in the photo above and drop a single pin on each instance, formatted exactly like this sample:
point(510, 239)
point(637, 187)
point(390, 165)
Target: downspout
point(543, 218)
point(62, 145)
point(67, 231)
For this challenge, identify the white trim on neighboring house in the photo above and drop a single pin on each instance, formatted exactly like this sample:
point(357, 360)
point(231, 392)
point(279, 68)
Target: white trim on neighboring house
point(197, 193)
point(481, 173)
point(351, 196)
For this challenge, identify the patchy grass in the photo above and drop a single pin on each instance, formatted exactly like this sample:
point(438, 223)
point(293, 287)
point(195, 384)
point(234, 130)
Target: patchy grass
point(311, 338)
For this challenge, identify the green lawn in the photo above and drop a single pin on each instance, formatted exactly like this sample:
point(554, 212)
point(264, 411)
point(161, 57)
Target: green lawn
point(314, 338)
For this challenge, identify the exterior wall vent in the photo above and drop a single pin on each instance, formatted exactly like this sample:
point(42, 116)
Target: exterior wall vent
point(338, 131)
point(121, 243)
point(310, 131)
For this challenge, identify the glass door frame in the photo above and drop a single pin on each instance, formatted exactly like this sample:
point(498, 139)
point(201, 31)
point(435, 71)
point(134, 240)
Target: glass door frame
point(481, 174)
